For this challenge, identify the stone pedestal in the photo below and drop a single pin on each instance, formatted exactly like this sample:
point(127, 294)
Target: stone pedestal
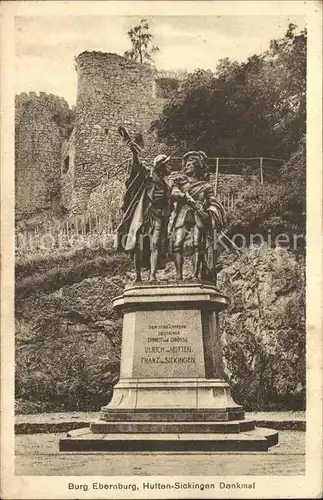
point(171, 394)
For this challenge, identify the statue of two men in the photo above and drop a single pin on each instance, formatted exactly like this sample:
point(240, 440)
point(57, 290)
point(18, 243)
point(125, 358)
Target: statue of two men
point(159, 215)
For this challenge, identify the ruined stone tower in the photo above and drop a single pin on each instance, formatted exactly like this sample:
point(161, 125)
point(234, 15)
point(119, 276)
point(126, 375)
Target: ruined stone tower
point(38, 141)
point(111, 91)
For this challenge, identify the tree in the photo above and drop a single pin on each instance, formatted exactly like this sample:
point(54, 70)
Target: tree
point(253, 108)
point(141, 40)
point(286, 70)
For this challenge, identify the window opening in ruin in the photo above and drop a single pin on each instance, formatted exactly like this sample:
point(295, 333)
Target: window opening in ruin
point(66, 164)
point(106, 131)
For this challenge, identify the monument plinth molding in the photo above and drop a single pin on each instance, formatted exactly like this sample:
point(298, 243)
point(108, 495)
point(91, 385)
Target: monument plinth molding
point(172, 393)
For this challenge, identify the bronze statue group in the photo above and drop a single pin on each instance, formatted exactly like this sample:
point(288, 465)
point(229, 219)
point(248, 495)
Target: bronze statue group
point(159, 215)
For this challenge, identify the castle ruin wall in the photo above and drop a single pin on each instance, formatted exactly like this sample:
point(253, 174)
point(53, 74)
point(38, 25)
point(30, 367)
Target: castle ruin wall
point(38, 141)
point(112, 91)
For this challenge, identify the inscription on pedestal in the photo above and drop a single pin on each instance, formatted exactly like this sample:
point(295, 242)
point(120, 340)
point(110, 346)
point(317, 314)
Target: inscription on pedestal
point(168, 344)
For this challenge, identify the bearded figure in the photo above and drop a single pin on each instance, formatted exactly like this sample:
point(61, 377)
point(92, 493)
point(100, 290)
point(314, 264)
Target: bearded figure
point(196, 212)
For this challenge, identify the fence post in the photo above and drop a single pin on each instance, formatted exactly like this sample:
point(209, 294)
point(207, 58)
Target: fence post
point(216, 176)
point(90, 223)
point(109, 224)
point(35, 240)
point(76, 226)
point(84, 225)
point(261, 171)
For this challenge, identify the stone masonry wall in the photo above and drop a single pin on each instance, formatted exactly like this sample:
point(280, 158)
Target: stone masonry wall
point(38, 141)
point(111, 91)
point(67, 191)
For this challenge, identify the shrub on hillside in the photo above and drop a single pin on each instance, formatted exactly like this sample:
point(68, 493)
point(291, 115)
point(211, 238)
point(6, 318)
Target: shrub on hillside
point(278, 207)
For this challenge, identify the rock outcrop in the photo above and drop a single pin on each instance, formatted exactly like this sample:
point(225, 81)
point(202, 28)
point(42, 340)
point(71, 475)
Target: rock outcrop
point(68, 345)
point(68, 341)
point(263, 329)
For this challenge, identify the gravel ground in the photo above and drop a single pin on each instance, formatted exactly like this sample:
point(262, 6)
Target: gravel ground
point(38, 455)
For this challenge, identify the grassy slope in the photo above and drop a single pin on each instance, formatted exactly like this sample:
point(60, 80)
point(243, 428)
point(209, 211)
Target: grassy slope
point(46, 273)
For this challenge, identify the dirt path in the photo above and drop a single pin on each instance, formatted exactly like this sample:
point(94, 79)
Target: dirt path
point(37, 454)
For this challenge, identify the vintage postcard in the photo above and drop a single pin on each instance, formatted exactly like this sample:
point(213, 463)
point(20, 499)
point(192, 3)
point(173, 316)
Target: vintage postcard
point(161, 244)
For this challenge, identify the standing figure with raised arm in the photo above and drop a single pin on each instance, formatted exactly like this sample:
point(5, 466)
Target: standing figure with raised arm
point(197, 212)
point(146, 207)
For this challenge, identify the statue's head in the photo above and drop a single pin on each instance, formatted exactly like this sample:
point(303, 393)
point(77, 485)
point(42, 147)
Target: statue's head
point(194, 164)
point(161, 165)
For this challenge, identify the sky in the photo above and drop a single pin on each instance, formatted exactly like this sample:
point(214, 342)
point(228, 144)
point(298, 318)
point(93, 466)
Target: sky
point(45, 46)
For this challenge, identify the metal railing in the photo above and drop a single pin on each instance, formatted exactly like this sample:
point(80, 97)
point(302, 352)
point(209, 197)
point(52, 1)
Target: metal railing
point(260, 165)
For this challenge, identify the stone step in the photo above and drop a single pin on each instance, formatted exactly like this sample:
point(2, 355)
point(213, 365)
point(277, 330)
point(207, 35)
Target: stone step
point(101, 426)
point(258, 439)
point(64, 422)
point(173, 415)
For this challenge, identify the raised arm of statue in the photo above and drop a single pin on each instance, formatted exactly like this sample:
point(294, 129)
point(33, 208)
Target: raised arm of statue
point(136, 164)
point(136, 148)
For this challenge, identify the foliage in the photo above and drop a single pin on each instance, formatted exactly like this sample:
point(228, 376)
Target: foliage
point(69, 372)
point(27, 407)
point(79, 388)
point(278, 207)
point(254, 108)
point(141, 40)
point(65, 119)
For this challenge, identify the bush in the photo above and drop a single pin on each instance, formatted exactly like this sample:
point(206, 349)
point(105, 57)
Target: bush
point(278, 207)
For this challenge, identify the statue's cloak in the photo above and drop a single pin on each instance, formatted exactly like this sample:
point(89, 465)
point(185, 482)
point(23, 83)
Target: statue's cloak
point(139, 215)
point(211, 220)
point(198, 190)
point(135, 204)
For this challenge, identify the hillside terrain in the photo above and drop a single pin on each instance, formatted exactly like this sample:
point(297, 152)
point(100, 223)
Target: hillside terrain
point(68, 337)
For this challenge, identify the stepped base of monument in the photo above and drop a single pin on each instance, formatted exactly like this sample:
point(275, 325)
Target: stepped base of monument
point(172, 414)
point(258, 439)
point(171, 395)
point(101, 426)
